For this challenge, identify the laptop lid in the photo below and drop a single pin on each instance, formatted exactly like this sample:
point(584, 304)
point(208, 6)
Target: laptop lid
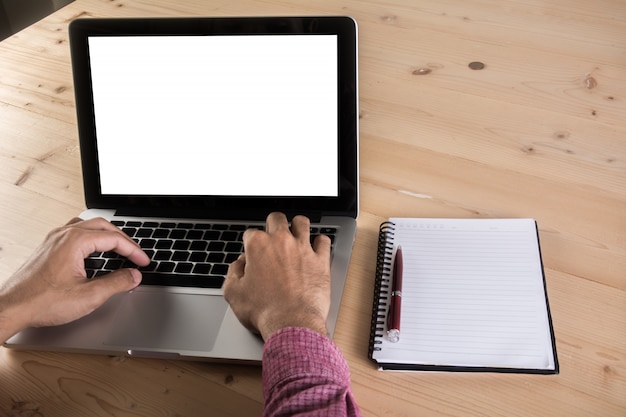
point(223, 118)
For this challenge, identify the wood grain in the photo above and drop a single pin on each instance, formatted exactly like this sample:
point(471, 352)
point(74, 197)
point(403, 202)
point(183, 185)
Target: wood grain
point(538, 132)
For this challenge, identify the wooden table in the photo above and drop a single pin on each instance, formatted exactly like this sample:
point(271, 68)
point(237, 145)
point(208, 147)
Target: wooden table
point(538, 129)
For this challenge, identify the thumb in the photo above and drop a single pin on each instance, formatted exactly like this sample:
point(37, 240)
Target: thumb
point(102, 288)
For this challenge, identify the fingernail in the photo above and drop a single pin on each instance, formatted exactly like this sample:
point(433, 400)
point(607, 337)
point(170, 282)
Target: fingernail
point(136, 276)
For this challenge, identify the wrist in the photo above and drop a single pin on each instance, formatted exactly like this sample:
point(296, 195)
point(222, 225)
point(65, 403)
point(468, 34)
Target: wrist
point(11, 318)
point(8, 324)
point(270, 325)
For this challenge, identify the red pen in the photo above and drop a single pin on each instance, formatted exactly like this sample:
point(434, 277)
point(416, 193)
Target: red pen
point(393, 323)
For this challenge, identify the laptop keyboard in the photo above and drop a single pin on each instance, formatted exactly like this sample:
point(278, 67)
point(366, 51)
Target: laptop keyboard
point(182, 254)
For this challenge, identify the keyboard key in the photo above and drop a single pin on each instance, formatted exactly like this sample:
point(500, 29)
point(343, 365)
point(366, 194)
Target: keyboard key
point(126, 263)
point(177, 234)
point(184, 267)
point(197, 257)
point(143, 232)
point(91, 263)
point(231, 257)
point(198, 245)
point(211, 235)
point(230, 236)
point(147, 243)
point(235, 247)
point(152, 266)
point(114, 264)
point(163, 255)
point(180, 256)
point(161, 233)
point(181, 245)
point(166, 266)
point(194, 234)
point(219, 269)
point(216, 246)
point(215, 257)
point(202, 269)
point(238, 227)
point(164, 244)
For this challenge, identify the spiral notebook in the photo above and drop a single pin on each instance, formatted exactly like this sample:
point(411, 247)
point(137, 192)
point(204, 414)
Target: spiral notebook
point(474, 297)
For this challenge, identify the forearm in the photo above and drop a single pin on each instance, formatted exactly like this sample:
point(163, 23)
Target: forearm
point(305, 374)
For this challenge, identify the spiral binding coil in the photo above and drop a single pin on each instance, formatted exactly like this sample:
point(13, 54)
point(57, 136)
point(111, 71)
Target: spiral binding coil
point(382, 285)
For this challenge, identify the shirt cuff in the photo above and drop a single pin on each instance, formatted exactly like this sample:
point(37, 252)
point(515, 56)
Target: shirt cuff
point(295, 352)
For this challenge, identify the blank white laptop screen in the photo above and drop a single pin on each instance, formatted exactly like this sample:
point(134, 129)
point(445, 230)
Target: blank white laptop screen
point(216, 115)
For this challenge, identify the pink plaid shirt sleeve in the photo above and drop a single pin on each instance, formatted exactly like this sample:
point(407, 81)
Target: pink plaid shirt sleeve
point(305, 374)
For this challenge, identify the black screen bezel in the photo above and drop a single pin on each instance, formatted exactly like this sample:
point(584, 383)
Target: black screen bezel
point(346, 203)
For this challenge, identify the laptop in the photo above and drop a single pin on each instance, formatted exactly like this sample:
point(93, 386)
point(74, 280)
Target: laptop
point(195, 129)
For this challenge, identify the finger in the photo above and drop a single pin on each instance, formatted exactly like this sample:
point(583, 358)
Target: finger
point(249, 235)
point(126, 249)
point(100, 289)
point(98, 223)
point(301, 228)
point(321, 246)
point(237, 267)
point(232, 282)
point(116, 242)
point(275, 222)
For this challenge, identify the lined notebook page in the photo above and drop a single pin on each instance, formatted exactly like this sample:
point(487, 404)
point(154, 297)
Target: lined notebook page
point(473, 295)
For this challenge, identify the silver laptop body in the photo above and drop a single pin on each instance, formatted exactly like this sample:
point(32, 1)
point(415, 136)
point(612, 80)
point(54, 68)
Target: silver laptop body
point(208, 124)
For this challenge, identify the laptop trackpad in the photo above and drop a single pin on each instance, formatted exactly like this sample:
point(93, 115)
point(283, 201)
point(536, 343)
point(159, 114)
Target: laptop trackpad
point(170, 321)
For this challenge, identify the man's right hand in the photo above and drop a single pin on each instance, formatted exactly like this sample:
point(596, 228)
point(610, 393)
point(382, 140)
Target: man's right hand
point(281, 280)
